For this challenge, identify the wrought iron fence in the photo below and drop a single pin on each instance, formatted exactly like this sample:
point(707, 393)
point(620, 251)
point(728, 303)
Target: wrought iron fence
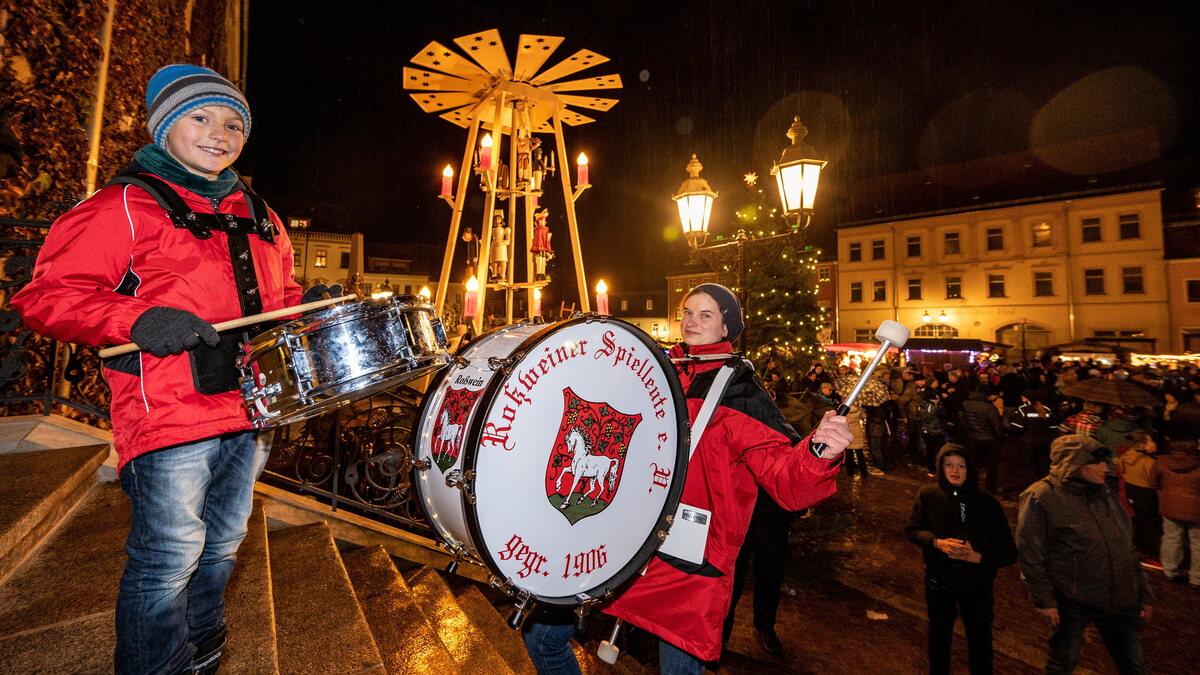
point(358, 458)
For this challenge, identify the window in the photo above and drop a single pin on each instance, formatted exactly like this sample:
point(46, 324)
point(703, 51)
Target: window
point(1129, 226)
point(624, 305)
point(320, 258)
point(1091, 229)
point(953, 288)
point(649, 304)
point(855, 251)
point(936, 330)
point(864, 335)
point(295, 259)
point(995, 239)
point(345, 263)
point(856, 291)
point(1193, 290)
point(914, 289)
point(914, 247)
point(679, 314)
point(1131, 281)
point(1043, 284)
point(879, 291)
point(1041, 234)
point(877, 250)
point(823, 274)
point(996, 286)
point(1093, 282)
point(951, 243)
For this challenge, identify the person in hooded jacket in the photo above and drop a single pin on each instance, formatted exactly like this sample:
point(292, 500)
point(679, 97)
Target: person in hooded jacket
point(1075, 544)
point(1176, 477)
point(746, 445)
point(115, 269)
point(964, 537)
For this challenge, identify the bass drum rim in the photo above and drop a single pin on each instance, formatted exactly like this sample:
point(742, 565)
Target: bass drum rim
point(674, 493)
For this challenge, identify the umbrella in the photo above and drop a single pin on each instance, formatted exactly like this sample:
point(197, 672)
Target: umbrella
point(874, 392)
point(1116, 392)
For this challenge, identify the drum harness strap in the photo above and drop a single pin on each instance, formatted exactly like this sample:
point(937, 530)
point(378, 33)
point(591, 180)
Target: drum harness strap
point(214, 369)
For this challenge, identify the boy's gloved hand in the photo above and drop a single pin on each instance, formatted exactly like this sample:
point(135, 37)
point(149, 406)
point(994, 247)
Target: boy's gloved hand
point(163, 331)
point(317, 293)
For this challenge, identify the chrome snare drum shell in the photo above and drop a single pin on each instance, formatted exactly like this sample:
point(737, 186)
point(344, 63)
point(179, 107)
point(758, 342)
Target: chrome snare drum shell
point(336, 356)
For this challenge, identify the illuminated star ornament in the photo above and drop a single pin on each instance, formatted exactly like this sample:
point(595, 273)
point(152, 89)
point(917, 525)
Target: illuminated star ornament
point(750, 179)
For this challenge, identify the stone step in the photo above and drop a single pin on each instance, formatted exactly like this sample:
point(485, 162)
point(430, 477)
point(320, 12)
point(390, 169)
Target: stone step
point(249, 605)
point(56, 611)
point(39, 489)
point(495, 626)
point(458, 630)
point(407, 641)
point(321, 630)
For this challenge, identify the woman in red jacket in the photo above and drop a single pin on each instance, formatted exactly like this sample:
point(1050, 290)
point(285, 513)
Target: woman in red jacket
point(747, 444)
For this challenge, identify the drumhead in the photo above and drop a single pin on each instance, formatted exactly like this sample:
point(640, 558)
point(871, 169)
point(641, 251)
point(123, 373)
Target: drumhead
point(579, 451)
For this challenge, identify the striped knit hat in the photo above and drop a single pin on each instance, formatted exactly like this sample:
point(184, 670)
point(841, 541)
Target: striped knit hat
point(180, 88)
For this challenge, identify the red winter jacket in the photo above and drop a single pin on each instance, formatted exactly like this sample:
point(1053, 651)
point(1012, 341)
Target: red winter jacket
point(747, 443)
point(122, 232)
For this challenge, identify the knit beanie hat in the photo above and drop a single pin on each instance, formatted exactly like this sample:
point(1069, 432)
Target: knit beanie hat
point(731, 308)
point(180, 88)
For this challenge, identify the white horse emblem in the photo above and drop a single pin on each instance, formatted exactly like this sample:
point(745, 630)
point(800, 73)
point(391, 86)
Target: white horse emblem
point(449, 436)
point(601, 469)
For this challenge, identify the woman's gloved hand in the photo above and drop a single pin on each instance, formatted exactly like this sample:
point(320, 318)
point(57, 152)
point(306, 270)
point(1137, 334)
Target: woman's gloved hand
point(163, 331)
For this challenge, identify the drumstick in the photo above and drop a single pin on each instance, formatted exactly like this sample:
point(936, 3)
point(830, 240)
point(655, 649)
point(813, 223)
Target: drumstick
point(243, 321)
point(890, 334)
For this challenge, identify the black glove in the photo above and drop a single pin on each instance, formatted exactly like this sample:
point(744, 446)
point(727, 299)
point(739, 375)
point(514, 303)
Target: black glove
point(317, 293)
point(163, 331)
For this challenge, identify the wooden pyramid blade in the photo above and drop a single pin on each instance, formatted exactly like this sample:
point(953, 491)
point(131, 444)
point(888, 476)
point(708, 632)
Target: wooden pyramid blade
point(593, 102)
point(437, 56)
point(415, 78)
point(440, 102)
point(603, 82)
point(574, 119)
point(487, 49)
point(532, 52)
point(584, 58)
point(459, 117)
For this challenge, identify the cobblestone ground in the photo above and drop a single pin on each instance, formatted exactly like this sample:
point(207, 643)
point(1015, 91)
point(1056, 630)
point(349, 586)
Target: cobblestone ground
point(852, 557)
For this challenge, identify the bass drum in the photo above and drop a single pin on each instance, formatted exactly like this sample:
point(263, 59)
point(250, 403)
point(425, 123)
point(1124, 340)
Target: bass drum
point(553, 455)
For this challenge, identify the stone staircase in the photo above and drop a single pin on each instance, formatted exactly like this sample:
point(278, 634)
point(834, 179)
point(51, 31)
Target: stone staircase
point(300, 601)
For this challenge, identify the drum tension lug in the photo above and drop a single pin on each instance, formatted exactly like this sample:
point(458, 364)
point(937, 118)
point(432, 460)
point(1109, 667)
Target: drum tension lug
point(504, 365)
point(420, 464)
point(524, 603)
point(463, 480)
point(581, 615)
point(461, 362)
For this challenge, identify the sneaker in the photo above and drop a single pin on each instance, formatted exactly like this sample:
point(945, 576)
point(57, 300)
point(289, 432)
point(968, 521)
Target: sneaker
point(770, 642)
point(875, 471)
point(1151, 563)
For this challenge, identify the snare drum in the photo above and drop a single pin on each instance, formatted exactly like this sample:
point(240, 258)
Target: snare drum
point(553, 455)
point(336, 356)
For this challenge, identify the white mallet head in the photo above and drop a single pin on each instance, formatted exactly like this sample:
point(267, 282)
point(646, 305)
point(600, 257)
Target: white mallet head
point(894, 332)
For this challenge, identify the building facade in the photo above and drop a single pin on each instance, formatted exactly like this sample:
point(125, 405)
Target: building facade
point(1027, 274)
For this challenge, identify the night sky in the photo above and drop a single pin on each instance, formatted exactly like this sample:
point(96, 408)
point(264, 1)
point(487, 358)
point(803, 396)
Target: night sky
point(884, 88)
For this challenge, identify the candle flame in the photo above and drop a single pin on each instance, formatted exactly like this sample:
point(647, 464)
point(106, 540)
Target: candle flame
point(583, 159)
point(448, 172)
point(472, 284)
point(487, 141)
point(425, 292)
point(601, 287)
point(537, 294)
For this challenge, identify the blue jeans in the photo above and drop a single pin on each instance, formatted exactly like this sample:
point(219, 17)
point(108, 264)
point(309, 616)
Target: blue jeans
point(1119, 632)
point(188, 509)
point(549, 646)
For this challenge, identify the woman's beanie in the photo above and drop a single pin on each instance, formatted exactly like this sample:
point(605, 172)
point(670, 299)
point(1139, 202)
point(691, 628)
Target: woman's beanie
point(731, 308)
point(180, 88)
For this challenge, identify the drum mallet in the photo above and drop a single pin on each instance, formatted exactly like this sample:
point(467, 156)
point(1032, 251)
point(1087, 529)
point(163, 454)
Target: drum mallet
point(608, 650)
point(890, 334)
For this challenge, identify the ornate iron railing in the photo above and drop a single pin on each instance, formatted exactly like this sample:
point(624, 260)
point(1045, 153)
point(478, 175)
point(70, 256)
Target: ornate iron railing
point(357, 458)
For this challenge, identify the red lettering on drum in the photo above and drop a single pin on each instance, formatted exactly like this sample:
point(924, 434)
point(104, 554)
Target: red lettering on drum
point(660, 477)
point(584, 563)
point(531, 561)
point(494, 435)
point(642, 368)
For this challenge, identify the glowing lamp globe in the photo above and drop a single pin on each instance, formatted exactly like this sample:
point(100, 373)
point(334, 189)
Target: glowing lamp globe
point(694, 200)
point(798, 172)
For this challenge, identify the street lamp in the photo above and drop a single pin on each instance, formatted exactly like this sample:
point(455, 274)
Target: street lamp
point(695, 200)
point(797, 174)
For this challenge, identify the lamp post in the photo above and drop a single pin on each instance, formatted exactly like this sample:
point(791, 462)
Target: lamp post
point(797, 173)
point(695, 200)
